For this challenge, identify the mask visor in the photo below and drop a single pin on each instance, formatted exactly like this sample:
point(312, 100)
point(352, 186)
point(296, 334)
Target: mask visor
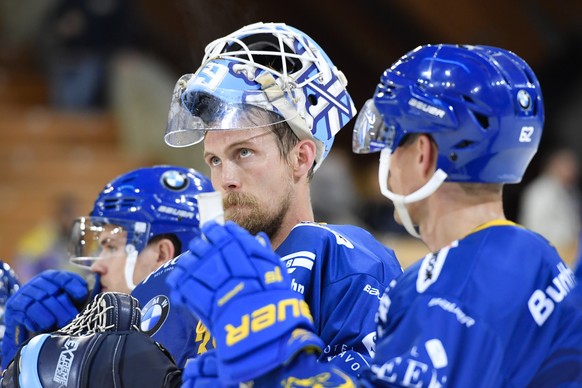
point(196, 109)
point(95, 238)
point(370, 132)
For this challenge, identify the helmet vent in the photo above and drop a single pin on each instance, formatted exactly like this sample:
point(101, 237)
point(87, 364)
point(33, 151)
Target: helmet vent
point(312, 99)
point(121, 203)
point(464, 144)
point(129, 178)
point(482, 120)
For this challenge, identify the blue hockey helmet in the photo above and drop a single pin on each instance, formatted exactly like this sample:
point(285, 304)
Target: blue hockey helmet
point(482, 106)
point(141, 204)
point(271, 66)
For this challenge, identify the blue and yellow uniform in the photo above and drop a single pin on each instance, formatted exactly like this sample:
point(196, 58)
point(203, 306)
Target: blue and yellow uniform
point(340, 271)
point(495, 304)
point(173, 326)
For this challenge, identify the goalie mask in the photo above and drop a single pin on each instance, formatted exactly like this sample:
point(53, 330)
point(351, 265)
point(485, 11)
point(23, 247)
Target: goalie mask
point(481, 105)
point(136, 207)
point(270, 66)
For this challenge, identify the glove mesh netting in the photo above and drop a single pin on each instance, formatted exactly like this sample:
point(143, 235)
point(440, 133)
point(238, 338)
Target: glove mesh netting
point(96, 317)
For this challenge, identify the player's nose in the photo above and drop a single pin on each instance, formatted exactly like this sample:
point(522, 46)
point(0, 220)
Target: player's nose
point(229, 176)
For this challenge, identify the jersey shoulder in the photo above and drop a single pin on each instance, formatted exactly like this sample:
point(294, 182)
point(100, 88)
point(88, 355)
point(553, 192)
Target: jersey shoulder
point(313, 234)
point(342, 249)
point(513, 259)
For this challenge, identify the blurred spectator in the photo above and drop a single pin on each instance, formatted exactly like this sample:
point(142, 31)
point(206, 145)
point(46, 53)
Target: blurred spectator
point(77, 42)
point(45, 246)
point(550, 204)
point(333, 192)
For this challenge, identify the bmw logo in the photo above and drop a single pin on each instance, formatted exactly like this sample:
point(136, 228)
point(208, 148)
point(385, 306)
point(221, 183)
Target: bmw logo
point(524, 99)
point(175, 180)
point(154, 314)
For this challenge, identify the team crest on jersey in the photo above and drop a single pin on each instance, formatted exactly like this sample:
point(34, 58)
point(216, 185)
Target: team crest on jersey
point(154, 314)
point(302, 259)
point(431, 266)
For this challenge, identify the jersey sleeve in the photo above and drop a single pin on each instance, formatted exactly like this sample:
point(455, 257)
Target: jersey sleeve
point(347, 310)
point(341, 272)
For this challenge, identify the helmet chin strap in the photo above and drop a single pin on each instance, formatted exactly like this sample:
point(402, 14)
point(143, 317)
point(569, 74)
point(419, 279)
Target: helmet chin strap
point(130, 265)
point(400, 201)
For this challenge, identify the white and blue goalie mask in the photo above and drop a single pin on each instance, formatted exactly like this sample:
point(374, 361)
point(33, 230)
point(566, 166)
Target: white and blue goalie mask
point(268, 67)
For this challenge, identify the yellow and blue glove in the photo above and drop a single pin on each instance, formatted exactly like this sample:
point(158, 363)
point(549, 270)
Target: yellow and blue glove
point(236, 285)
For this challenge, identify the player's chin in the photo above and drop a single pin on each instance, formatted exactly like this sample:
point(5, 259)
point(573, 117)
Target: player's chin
point(238, 213)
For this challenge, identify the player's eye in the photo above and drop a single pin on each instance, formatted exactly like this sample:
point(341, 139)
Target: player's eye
point(110, 249)
point(245, 152)
point(213, 161)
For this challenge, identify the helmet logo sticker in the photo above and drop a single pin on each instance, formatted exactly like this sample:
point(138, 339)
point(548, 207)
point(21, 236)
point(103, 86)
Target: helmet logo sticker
point(524, 99)
point(211, 75)
point(176, 212)
point(431, 110)
point(175, 180)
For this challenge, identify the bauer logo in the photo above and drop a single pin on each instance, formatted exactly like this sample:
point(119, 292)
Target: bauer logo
point(176, 212)
point(431, 110)
point(290, 309)
point(154, 314)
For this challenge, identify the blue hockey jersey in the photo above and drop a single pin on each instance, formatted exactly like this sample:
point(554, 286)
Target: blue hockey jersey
point(491, 310)
point(341, 271)
point(578, 274)
point(175, 327)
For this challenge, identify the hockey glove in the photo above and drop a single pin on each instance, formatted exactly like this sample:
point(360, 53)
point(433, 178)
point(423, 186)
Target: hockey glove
point(202, 372)
point(238, 288)
point(45, 303)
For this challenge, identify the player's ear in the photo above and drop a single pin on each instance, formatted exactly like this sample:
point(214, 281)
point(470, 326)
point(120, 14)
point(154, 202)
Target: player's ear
point(427, 155)
point(303, 157)
point(166, 251)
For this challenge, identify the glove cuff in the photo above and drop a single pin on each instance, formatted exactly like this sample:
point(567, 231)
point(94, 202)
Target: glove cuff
point(268, 357)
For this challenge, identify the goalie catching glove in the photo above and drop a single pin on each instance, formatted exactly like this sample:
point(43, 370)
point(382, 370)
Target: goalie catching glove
point(236, 285)
point(101, 347)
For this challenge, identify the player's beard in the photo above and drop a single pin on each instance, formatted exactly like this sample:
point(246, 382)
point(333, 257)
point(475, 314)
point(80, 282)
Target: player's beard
point(245, 210)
